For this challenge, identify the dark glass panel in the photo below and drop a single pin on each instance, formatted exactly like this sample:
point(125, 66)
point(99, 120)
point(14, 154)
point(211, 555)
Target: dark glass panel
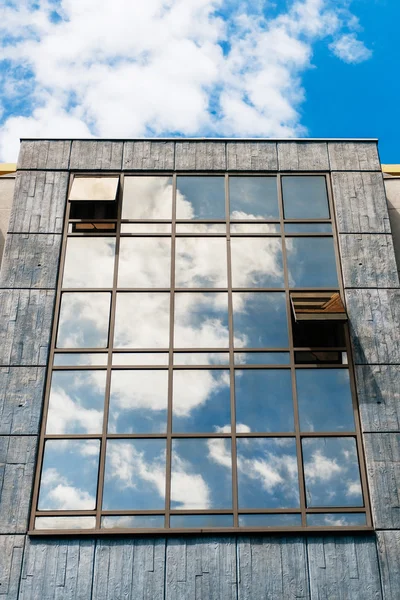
point(201, 474)
point(135, 475)
point(84, 320)
point(324, 398)
point(331, 472)
point(260, 320)
point(262, 358)
point(63, 486)
point(89, 262)
point(133, 522)
point(305, 197)
point(142, 320)
point(144, 262)
point(147, 198)
point(75, 359)
point(138, 401)
point(200, 262)
point(253, 198)
point(337, 520)
point(76, 402)
point(270, 520)
point(267, 473)
point(256, 262)
point(200, 198)
point(200, 521)
point(308, 228)
point(264, 400)
point(320, 358)
point(65, 523)
point(311, 262)
point(201, 401)
point(93, 210)
point(201, 320)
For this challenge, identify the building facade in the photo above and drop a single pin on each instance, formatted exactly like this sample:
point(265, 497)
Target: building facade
point(199, 372)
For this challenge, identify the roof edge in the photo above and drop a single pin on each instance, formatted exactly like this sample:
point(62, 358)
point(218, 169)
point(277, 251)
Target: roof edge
point(199, 139)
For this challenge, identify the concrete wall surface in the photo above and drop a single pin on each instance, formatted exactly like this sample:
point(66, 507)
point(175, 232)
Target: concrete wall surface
point(327, 566)
point(7, 183)
point(392, 186)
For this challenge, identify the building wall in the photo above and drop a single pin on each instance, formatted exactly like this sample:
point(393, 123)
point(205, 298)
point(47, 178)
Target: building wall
point(276, 567)
point(392, 185)
point(6, 197)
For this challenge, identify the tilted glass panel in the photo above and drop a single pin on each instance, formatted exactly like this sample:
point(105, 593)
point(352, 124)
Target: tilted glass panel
point(94, 188)
point(305, 197)
point(259, 320)
point(76, 402)
point(138, 401)
point(200, 197)
point(262, 358)
point(145, 227)
point(63, 486)
point(147, 198)
point(201, 358)
point(311, 262)
point(308, 228)
point(270, 520)
point(89, 262)
point(201, 262)
point(253, 198)
point(142, 320)
point(139, 358)
point(43, 523)
point(144, 262)
point(254, 228)
point(324, 398)
point(75, 359)
point(267, 473)
point(201, 401)
point(201, 320)
point(331, 472)
point(336, 520)
point(200, 228)
point(264, 400)
point(135, 475)
point(200, 521)
point(201, 475)
point(84, 320)
point(133, 522)
point(256, 262)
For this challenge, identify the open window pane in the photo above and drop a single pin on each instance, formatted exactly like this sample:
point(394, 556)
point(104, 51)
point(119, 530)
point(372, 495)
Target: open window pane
point(259, 320)
point(147, 198)
point(201, 320)
point(144, 262)
point(321, 306)
point(253, 198)
point(89, 262)
point(311, 262)
point(84, 320)
point(201, 262)
point(142, 320)
point(305, 197)
point(200, 198)
point(256, 262)
point(94, 188)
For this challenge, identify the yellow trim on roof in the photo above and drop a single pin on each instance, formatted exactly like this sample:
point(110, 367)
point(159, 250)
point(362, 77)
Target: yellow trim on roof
point(6, 168)
point(391, 169)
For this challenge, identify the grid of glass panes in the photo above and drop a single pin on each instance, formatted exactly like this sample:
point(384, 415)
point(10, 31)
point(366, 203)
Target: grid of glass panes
point(182, 393)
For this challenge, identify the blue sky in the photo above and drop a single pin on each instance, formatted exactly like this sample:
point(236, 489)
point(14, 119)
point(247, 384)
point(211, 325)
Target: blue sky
point(81, 68)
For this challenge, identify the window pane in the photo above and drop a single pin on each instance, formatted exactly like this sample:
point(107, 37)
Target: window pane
point(200, 228)
point(139, 358)
point(84, 320)
point(254, 228)
point(201, 320)
point(308, 227)
point(138, 402)
point(203, 521)
point(201, 358)
point(65, 523)
point(145, 228)
point(331, 472)
point(267, 473)
point(260, 320)
point(94, 188)
point(201, 262)
point(89, 262)
point(257, 262)
point(311, 262)
point(134, 475)
point(201, 401)
point(264, 400)
point(324, 398)
point(253, 198)
point(262, 358)
point(305, 197)
point(271, 520)
point(144, 262)
point(62, 485)
point(336, 520)
point(142, 320)
point(200, 198)
point(320, 357)
point(147, 198)
point(133, 522)
point(76, 402)
point(74, 359)
point(201, 474)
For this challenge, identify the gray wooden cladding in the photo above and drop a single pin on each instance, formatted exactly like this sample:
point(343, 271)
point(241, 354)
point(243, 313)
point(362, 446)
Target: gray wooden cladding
point(368, 260)
point(379, 397)
point(96, 155)
point(389, 560)
point(353, 156)
point(11, 554)
point(303, 156)
point(252, 156)
point(149, 155)
point(200, 156)
point(44, 154)
point(21, 394)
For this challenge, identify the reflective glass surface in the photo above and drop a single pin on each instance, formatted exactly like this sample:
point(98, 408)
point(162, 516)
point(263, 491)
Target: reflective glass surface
point(201, 358)
point(145, 228)
point(200, 262)
point(147, 198)
point(144, 262)
point(138, 401)
point(94, 188)
point(201, 320)
point(311, 262)
point(200, 228)
point(139, 358)
point(331, 472)
point(135, 475)
point(256, 262)
point(259, 320)
point(254, 228)
point(142, 320)
point(267, 473)
point(194, 521)
point(308, 227)
point(89, 262)
point(200, 197)
point(305, 197)
point(262, 358)
point(73, 359)
point(253, 198)
point(201, 475)
point(133, 522)
point(264, 400)
point(65, 523)
point(271, 520)
point(201, 401)
point(76, 402)
point(83, 320)
point(62, 485)
point(336, 520)
point(324, 398)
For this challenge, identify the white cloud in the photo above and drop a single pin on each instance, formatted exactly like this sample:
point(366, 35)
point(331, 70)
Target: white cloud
point(349, 49)
point(321, 468)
